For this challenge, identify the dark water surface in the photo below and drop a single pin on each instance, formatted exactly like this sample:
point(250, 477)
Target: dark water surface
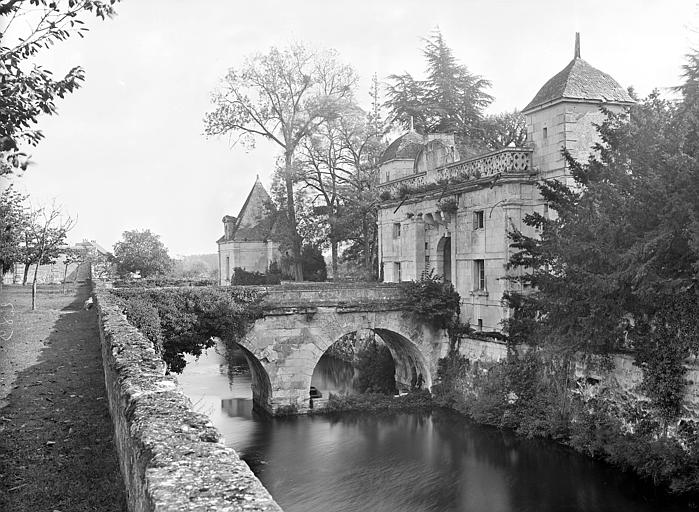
point(402, 462)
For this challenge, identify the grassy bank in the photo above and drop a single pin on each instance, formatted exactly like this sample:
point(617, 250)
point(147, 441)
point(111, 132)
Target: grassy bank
point(56, 438)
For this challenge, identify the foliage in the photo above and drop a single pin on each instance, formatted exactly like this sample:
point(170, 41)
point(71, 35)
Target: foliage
point(243, 277)
point(27, 91)
point(376, 402)
point(375, 370)
point(433, 300)
point(448, 205)
point(314, 267)
point(283, 96)
point(508, 129)
point(13, 219)
point(532, 396)
point(182, 321)
point(336, 166)
point(450, 100)
point(142, 251)
point(161, 281)
point(44, 235)
point(620, 245)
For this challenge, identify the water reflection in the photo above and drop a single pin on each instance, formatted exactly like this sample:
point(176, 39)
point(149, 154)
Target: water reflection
point(334, 375)
point(402, 462)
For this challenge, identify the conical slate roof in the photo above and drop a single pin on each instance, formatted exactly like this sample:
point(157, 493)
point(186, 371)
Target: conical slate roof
point(580, 81)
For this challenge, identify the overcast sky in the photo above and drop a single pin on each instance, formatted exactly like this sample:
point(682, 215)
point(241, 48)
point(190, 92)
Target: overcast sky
point(127, 150)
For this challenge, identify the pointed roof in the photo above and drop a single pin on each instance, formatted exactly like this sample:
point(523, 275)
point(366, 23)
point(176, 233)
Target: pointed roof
point(407, 146)
point(257, 218)
point(579, 81)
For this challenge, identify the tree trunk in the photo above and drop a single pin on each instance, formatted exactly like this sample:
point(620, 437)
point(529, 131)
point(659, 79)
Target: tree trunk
point(65, 276)
point(333, 250)
point(297, 265)
point(367, 247)
point(26, 273)
point(36, 275)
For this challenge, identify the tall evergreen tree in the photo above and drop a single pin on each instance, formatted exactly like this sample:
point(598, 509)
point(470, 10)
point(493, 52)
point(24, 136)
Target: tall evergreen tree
point(450, 100)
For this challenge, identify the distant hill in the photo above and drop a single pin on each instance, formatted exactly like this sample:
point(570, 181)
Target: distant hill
point(196, 266)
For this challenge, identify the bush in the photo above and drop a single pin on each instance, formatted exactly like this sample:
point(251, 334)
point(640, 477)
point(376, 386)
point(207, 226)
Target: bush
point(144, 316)
point(375, 370)
point(376, 402)
point(189, 318)
point(243, 277)
point(314, 267)
point(433, 300)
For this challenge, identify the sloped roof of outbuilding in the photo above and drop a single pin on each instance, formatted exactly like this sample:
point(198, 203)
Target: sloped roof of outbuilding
point(258, 220)
point(580, 81)
point(406, 146)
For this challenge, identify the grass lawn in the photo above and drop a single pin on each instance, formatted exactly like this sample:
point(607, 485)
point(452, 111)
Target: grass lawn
point(56, 438)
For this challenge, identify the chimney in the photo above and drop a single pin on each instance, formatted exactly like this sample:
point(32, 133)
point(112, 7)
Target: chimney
point(228, 226)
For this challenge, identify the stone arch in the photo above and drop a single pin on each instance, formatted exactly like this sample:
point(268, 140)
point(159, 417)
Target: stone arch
point(444, 263)
point(261, 384)
point(409, 361)
point(289, 343)
point(407, 357)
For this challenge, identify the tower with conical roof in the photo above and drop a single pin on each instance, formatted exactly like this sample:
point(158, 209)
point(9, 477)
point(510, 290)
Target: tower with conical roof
point(564, 112)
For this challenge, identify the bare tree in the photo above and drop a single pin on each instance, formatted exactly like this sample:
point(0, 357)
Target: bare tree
point(338, 165)
point(45, 235)
point(282, 96)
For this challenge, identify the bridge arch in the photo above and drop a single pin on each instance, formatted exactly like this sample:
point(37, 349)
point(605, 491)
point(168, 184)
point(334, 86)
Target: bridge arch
point(261, 384)
point(289, 342)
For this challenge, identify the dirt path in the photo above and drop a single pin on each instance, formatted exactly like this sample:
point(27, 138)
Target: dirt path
point(56, 446)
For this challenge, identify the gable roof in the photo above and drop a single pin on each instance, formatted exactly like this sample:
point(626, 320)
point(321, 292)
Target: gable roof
point(580, 81)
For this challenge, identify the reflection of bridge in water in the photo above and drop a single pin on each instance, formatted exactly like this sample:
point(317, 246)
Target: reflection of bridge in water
point(301, 321)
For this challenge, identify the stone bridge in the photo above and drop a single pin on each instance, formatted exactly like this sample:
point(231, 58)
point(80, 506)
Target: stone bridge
point(301, 321)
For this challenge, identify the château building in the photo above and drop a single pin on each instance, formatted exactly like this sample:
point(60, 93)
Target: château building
point(251, 240)
point(452, 216)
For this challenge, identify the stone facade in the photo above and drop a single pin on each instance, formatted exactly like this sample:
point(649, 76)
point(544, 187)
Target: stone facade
point(452, 216)
point(251, 240)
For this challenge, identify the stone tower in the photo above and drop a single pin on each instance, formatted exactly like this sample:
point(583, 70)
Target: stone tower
point(564, 112)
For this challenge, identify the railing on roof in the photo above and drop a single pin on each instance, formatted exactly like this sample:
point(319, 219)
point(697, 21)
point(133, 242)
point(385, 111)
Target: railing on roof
point(503, 161)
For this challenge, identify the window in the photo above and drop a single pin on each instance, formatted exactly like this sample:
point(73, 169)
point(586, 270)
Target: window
point(479, 274)
point(480, 325)
point(396, 272)
point(228, 268)
point(396, 230)
point(546, 133)
point(478, 219)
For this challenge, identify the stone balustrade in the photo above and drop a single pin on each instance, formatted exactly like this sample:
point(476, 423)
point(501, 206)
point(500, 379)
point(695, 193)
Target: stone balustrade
point(501, 162)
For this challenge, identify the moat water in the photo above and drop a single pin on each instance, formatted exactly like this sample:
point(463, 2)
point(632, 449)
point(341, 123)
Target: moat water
point(402, 462)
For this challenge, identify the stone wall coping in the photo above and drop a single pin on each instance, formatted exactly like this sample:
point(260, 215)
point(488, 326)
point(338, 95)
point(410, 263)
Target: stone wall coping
point(172, 458)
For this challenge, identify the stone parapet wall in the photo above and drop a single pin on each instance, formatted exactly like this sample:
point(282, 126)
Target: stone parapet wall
point(172, 458)
point(329, 294)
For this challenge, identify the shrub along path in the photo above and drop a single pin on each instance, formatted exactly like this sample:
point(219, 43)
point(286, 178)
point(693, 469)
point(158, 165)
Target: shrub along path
point(56, 437)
